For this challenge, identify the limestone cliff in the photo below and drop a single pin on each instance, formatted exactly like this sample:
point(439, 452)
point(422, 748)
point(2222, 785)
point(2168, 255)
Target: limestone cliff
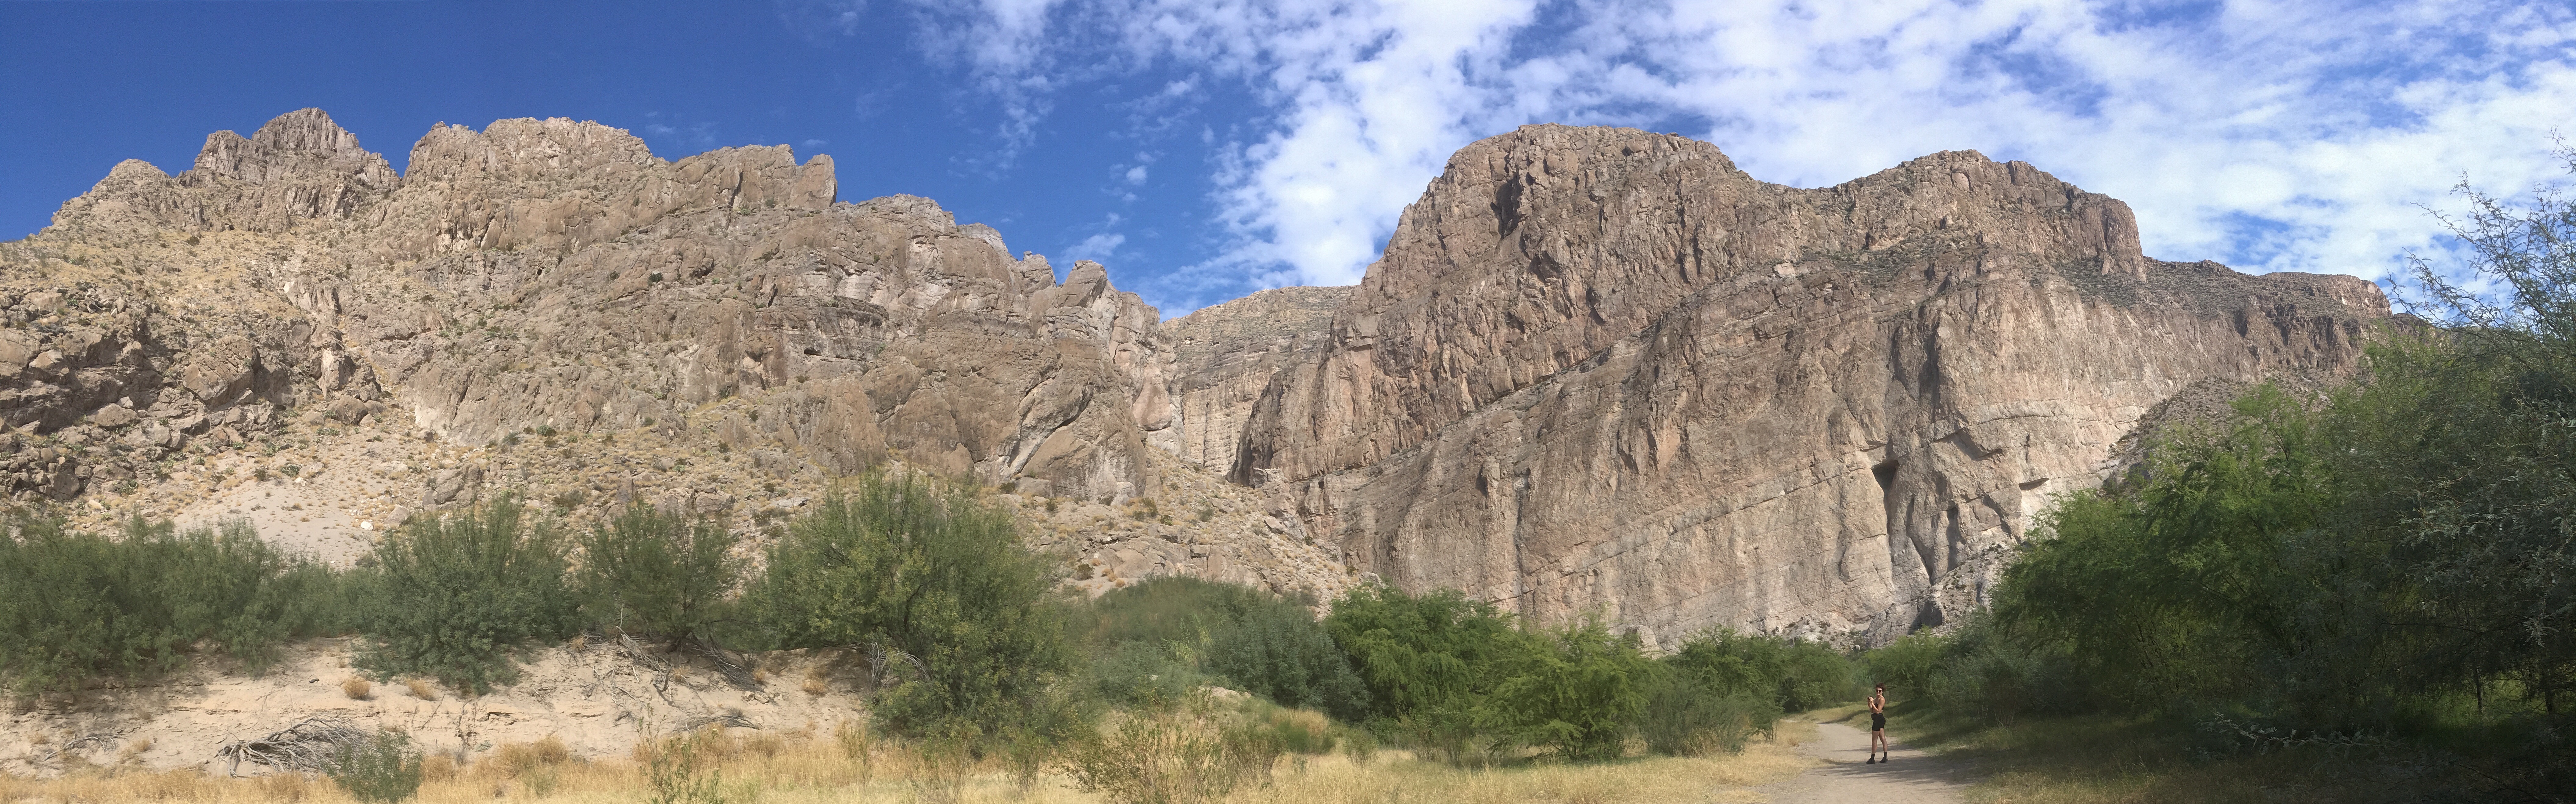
point(1604, 370)
point(1226, 356)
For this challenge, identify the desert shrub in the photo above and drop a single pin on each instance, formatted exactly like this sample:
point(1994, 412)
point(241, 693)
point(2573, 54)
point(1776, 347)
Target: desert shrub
point(382, 768)
point(1429, 662)
point(1171, 610)
point(1133, 673)
point(1907, 665)
point(1796, 674)
point(1173, 752)
point(650, 573)
point(681, 769)
point(1296, 731)
point(449, 596)
point(1576, 692)
point(1275, 649)
point(77, 605)
point(1685, 718)
point(940, 584)
point(1194, 631)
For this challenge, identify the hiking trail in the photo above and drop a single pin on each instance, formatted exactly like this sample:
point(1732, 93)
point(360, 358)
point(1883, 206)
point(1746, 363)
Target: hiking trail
point(1912, 776)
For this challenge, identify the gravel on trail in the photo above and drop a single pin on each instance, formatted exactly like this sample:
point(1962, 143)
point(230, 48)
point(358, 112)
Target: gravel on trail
point(1910, 777)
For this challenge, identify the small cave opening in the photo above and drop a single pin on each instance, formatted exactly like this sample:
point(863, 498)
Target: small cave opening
point(1885, 471)
point(1928, 616)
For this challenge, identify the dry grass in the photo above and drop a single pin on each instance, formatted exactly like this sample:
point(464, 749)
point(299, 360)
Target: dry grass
point(422, 689)
point(358, 688)
point(845, 764)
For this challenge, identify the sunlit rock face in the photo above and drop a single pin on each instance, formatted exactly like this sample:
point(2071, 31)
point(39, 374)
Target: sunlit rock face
point(1600, 370)
point(556, 274)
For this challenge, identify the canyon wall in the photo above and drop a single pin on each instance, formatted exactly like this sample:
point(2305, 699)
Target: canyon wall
point(1604, 371)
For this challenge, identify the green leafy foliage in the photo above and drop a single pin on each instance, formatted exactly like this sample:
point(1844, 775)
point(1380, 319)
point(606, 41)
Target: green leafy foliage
point(383, 768)
point(449, 596)
point(1576, 692)
point(1429, 662)
point(1795, 674)
point(1166, 635)
point(1685, 718)
point(77, 605)
point(655, 574)
point(1277, 650)
point(940, 583)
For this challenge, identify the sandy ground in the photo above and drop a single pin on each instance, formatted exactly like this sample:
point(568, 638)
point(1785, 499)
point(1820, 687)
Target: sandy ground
point(1910, 777)
point(596, 698)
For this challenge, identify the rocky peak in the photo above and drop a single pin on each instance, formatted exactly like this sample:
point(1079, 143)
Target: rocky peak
point(299, 144)
point(1605, 370)
point(557, 184)
point(298, 167)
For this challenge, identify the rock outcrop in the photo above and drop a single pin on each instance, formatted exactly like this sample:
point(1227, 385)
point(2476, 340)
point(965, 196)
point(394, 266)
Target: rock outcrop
point(1602, 370)
point(1597, 370)
point(554, 277)
point(1227, 356)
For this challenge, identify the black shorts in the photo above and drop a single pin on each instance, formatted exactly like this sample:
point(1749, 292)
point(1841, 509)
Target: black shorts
point(1878, 721)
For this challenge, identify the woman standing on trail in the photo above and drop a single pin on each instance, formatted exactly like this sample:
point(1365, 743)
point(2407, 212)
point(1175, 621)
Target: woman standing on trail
point(1878, 725)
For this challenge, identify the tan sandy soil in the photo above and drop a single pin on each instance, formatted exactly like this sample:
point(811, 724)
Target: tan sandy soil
point(596, 698)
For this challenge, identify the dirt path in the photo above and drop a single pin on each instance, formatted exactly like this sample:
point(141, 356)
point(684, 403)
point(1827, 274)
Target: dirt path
point(1910, 777)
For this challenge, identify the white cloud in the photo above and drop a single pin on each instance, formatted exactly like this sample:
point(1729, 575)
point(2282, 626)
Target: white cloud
point(1136, 175)
point(2270, 134)
point(1096, 248)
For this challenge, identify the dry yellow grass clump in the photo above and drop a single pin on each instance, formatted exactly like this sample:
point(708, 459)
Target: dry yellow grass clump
point(421, 688)
point(358, 688)
point(846, 765)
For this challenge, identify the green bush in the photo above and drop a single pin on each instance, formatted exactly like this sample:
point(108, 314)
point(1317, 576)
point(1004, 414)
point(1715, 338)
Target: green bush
point(1429, 663)
point(1278, 651)
point(1685, 718)
point(383, 768)
point(1170, 610)
point(1907, 665)
point(449, 596)
point(1577, 694)
point(77, 605)
point(1139, 672)
point(653, 574)
point(1796, 674)
point(937, 580)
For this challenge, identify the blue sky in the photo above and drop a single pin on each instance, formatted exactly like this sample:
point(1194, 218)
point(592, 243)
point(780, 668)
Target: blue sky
point(1206, 148)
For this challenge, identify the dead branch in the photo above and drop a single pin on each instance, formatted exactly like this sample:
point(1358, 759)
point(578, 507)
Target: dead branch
point(308, 746)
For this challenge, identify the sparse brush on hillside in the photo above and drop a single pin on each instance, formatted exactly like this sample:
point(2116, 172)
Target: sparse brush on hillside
point(77, 605)
point(450, 596)
point(938, 583)
point(654, 574)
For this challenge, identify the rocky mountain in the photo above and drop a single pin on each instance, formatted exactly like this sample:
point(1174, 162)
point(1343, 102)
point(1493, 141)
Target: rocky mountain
point(291, 331)
point(1603, 370)
point(1597, 370)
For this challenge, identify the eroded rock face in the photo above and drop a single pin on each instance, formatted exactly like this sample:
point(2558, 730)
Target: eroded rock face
point(553, 274)
point(1227, 356)
point(1604, 370)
